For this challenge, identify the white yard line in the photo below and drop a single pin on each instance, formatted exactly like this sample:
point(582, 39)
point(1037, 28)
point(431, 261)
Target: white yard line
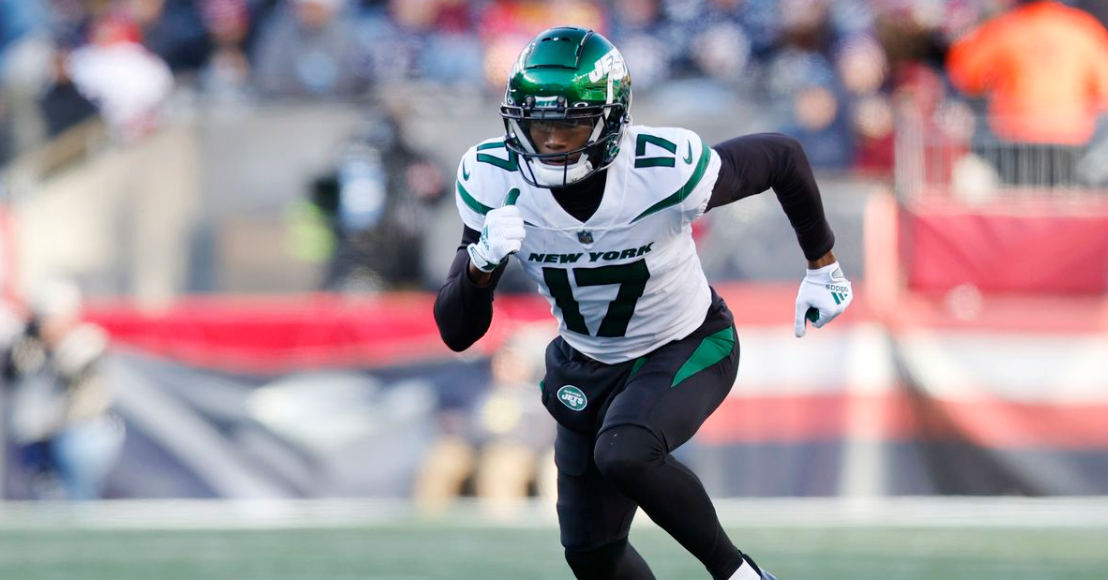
point(914, 512)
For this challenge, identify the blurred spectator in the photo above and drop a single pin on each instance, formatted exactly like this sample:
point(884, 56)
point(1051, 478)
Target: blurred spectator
point(451, 53)
point(912, 33)
point(637, 23)
point(806, 25)
point(59, 417)
point(793, 69)
point(226, 75)
point(505, 25)
point(423, 39)
point(761, 20)
point(862, 66)
point(502, 444)
point(126, 82)
point(872, 120)
point(26, 52)
point(63, 106)
point(1044, 69)
point(851, 18)
point(821, 125)
point(173, 30)
point(393, 37)
point(378, 200)
point(706, 38)
point(721, 52)
point(526, 17)
point(308, 48)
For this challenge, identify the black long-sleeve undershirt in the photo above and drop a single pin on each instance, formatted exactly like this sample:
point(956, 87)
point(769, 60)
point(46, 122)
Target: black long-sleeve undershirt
point(750, 165)
point(463, 310)
point(754, 163)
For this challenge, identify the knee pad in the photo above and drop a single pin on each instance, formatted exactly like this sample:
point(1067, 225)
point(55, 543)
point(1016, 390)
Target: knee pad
point(596, 563)
point(624, 453)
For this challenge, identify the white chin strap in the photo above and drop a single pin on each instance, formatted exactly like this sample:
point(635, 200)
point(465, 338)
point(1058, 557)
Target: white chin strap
point(557, 175)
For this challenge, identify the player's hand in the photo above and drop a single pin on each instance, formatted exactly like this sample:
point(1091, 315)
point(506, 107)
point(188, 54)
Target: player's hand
point(824, 294)
point(501, 237)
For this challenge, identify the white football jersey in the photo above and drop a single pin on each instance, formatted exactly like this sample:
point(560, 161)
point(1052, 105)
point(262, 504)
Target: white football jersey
point(628, 279)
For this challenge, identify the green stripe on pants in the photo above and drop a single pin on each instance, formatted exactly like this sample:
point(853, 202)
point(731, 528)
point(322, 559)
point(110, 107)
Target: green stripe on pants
point(712, 349)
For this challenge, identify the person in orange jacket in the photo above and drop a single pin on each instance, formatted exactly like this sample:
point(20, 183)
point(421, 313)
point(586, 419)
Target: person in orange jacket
point(1044, 69)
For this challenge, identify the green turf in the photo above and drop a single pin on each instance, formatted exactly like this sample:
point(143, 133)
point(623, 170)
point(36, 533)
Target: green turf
point(421, 551)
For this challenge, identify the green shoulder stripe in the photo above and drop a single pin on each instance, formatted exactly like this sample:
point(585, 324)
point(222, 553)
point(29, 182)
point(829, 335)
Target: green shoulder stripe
point(680, 195)
point(471, 202)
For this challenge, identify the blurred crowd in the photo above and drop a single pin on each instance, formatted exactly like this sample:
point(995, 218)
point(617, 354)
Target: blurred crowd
point(828, 71)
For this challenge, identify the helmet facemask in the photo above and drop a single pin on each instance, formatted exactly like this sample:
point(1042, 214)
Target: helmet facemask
point(562, 168)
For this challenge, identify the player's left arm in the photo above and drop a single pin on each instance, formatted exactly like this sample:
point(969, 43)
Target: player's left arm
point(754, 163)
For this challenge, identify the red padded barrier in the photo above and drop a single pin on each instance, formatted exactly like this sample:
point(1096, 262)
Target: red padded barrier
point(1034, 250)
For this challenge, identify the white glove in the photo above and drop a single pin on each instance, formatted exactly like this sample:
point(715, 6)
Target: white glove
point(824, 294)
point(501, 237)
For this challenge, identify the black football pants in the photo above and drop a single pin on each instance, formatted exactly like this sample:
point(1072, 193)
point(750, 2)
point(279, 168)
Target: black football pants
point(657, 404)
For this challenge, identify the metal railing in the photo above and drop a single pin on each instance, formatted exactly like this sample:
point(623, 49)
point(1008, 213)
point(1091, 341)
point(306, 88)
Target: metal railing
point(954, 155)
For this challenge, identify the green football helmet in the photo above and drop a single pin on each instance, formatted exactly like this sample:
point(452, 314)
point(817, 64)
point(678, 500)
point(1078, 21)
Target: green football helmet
point(567, 77)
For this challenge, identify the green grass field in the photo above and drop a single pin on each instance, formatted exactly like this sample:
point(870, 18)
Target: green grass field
point(402, 547)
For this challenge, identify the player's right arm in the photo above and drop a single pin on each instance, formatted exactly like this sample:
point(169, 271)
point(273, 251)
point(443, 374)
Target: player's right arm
point(463, 307)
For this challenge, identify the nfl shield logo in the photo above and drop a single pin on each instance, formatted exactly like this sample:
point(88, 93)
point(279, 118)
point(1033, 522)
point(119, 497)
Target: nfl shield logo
point(584, 237)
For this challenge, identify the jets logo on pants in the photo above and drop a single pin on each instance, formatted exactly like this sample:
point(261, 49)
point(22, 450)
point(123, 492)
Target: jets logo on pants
point(572, 397)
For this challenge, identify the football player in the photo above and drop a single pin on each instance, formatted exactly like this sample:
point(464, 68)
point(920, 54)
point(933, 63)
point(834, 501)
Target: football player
point(599, 213)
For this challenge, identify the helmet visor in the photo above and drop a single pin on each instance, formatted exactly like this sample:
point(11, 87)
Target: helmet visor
point(554, 134)
point(570, 137)
point(566, 136)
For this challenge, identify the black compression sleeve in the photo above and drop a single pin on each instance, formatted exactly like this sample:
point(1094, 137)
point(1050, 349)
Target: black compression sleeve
point(463, 310)
point(755, 163)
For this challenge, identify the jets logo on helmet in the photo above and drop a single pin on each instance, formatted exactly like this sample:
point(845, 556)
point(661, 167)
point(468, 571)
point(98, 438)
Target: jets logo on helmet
point(611, 64)
point(566, 79)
